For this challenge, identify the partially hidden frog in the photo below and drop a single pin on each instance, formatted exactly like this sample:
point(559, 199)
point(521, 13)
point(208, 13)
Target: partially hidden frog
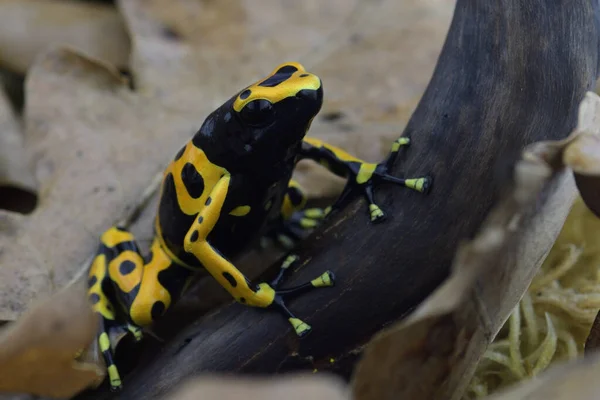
point(229, 184)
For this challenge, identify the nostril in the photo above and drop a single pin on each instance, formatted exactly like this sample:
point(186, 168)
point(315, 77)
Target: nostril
point(307, 94)
point(302, 94)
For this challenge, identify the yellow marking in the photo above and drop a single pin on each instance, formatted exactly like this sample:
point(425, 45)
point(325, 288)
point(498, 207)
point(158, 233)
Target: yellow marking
point(214, 263)
point(416, 184)
point(365, 172)
point(314, 213)
point(104, 341)
point(375, 211)
point(339, 153)
point(211, 173)
point(240, 211)
point(299, 326)
point(289, 260)
point(400, 142)
point(288, 88)
point(137, 332)
point(287, 208)
point(308, 223)
point(113, 374)
point(315, 371)
point(332, 360)
point(98, 270)
point(285, 241)
point(151, 290)
point(322, 281)
point(113, 237)
point(126, 282)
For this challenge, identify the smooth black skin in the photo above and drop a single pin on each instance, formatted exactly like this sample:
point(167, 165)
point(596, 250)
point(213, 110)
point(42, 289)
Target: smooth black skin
point(260, 155)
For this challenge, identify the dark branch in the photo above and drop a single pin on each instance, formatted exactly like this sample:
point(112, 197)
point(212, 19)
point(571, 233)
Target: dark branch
point(511, 72)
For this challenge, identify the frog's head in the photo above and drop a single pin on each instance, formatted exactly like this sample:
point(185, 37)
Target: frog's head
point(267, 120)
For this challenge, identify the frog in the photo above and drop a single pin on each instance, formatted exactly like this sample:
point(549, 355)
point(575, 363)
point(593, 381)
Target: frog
point(222, 190)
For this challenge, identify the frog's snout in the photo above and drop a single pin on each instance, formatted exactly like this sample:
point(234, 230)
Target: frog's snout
point(312, 95)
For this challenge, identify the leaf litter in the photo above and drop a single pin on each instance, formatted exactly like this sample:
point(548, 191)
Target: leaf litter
point(96, 143)
point(37, 352)
point(97, 29)
point(552, 322)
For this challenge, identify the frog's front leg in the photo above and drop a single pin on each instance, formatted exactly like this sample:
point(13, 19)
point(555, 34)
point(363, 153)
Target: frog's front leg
point(126, 291)
point(361, 174)
point(264, 295)
point(103, 300)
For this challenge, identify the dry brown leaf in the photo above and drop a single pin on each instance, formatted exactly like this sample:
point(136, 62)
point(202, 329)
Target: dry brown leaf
point(15, 169)
point(433, 353)
point(573, 381)
point(30, 27)
point(97, 144)
point(581, 151)
point(36, 353)
point(293, 387)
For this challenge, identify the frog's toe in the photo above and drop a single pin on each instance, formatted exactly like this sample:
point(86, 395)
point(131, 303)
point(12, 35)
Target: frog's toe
point(115, 379)
point(327, 279)
point(422, 184)
point(301, 328)
point(377, 215)
point(427, 184)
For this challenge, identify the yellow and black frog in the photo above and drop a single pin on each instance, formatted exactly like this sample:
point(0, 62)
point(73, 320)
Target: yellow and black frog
point(226, 187)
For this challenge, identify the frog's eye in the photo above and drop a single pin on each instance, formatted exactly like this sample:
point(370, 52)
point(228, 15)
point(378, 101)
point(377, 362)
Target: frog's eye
point(258, 112)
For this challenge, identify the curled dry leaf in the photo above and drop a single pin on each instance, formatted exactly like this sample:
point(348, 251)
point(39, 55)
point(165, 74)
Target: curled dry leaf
point(15, 169)
point(583, 154)
point(293, 387)
point(36, 353)
point(95, 29)
point(573, 381)
point(433, 353)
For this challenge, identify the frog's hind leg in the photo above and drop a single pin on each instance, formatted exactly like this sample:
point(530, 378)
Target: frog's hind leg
point(99, 294)
point(108, 355)
point(361, 175)
point(113, 277)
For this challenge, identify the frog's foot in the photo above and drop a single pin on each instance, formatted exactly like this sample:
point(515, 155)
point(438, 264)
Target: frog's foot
point(302, 223)
point(107, 352)
point(327, 279)
point(291, 231)
point(136, 331)
point(369, 175)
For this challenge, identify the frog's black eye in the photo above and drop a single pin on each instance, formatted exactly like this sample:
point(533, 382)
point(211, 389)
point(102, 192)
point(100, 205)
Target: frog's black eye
point(258, 112)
